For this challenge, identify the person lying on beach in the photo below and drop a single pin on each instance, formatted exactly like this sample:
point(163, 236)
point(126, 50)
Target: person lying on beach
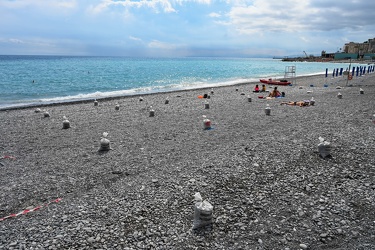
point(256, 89)
point(299, 103)
point(275, 93)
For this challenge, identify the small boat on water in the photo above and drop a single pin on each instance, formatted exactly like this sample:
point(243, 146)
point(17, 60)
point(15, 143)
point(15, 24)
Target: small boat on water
point(275, 82)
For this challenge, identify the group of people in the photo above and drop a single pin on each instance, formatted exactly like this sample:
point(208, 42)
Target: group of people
point(256, 89)
point(274, 93)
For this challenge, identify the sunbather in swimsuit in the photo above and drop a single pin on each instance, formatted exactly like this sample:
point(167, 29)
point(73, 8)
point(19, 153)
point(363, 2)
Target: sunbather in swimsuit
point(299, 103)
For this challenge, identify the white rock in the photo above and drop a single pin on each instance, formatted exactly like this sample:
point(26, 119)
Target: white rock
point(91, 240)
point(303, 246)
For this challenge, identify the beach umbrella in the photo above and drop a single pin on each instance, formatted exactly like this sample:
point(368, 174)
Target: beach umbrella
point(337, 72)
point(341, 71)
point(326, 72)
point(357, 71)
point(333, 73)
point(353, 70)
point(360, 70)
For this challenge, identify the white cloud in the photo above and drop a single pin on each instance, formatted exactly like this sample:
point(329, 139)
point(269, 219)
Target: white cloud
point(135, 38)
point(298, 16)
point(155, 44)
point(66, 4)
point(305, 39)
point(156, 5)
point(29, 42)
point(214, 15)
point(270, 15)
point(14, 40)
point(166, 6)
point(45, 5)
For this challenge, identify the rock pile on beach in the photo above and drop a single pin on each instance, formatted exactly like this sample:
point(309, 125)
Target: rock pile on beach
point(263, 175)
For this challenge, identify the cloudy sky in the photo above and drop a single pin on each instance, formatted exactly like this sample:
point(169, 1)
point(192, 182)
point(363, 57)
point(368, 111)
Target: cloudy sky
point(249, 28)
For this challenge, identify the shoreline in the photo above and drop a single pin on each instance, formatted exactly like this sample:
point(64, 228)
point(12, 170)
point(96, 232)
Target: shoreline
point(299, 80)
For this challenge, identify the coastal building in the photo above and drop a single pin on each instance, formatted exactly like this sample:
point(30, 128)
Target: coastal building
point(354, 51)
point(365, 50)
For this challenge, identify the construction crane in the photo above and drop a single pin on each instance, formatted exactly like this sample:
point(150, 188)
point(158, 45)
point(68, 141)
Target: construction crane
point(305, 54)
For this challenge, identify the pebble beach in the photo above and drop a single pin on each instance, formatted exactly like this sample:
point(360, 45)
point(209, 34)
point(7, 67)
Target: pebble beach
point(263, 174)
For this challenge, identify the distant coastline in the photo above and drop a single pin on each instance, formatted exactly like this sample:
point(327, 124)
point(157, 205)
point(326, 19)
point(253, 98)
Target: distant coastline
point(320, 59)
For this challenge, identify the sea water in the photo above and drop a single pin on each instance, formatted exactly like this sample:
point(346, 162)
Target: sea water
point(30, 80)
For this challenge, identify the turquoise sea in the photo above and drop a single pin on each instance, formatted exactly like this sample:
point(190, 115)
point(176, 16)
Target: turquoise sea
point(29, 80)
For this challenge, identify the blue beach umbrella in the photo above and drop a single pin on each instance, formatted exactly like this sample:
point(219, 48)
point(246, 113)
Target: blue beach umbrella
point(326, 72)
point(353, 70)
point(337, 72)
point(356, 73)
point(364, 70)
point(341, 71)
point(333, 73)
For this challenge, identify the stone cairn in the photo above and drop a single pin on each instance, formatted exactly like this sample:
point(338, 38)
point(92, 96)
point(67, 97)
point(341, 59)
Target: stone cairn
point(202, 212)
point(104, 143)
point(206, 123)
point(267, 110)
point(324, 148)
point(206, 105)
point(152, 112)
point(66, 123)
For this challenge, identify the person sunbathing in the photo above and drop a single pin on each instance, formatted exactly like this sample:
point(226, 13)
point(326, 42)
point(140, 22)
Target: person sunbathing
point(299, 103)
point(275, 93)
